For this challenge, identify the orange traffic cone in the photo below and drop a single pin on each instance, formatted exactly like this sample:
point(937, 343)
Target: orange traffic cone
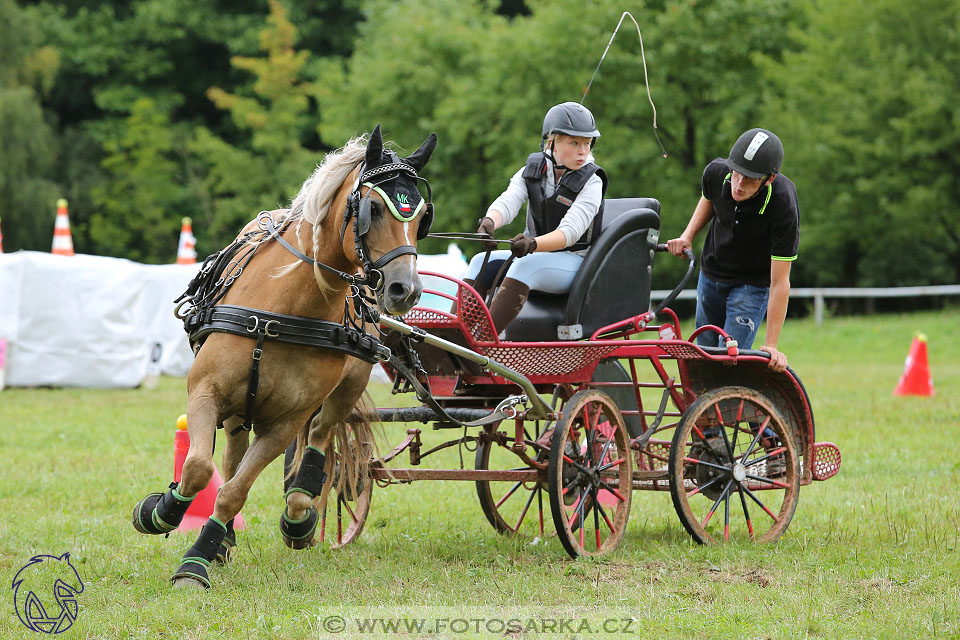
point(916, 379)
point(202, 506)
point(62, 240)
point(186, 251)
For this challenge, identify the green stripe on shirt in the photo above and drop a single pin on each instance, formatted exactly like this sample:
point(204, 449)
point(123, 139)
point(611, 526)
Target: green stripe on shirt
point(784, 259)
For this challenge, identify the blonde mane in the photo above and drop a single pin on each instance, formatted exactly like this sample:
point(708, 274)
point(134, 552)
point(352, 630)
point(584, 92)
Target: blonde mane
point(316, 195)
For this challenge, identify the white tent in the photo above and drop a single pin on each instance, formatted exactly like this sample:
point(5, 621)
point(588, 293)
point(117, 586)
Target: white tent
point(92, 321)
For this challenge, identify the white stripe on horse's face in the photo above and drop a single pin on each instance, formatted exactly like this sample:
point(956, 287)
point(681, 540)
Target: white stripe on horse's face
point(406, 232)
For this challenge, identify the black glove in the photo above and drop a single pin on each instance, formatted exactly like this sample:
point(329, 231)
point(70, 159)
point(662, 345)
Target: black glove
point(487, 226)
point(521, 245)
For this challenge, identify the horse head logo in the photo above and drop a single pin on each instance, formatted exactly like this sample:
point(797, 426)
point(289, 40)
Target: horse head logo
point(34, 583)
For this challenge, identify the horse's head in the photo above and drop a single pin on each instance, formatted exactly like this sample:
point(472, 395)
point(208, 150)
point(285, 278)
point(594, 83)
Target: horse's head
point(389, 215)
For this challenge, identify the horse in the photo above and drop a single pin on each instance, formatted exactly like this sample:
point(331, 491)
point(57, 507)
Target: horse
point(315, 339)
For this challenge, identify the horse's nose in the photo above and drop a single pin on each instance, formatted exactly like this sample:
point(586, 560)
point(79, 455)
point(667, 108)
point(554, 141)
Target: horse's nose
point(404, 293)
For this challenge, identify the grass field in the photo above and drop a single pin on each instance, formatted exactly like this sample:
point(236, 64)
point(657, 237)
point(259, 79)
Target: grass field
point(874, 552)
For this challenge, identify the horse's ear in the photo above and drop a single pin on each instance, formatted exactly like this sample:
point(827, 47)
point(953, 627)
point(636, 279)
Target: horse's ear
point(418, 159)
point(374, 149)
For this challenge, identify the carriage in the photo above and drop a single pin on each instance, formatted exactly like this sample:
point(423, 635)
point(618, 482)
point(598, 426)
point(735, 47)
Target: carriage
point(288, 321)
point(557, 411)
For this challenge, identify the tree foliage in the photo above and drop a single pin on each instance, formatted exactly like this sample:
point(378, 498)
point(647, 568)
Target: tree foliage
point(870, 96)
point(143, 111)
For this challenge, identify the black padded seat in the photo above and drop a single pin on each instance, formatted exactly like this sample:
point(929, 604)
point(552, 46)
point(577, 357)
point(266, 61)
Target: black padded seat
point(613, 283)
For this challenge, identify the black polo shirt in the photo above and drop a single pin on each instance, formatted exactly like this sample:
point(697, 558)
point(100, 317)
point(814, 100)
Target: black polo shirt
point(745, 236)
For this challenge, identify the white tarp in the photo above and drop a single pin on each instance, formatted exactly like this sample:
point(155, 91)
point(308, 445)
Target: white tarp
point(92, 321)
point(89, 321)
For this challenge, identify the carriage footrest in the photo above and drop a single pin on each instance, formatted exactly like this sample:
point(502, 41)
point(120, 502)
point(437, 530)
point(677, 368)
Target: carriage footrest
point(826, 460)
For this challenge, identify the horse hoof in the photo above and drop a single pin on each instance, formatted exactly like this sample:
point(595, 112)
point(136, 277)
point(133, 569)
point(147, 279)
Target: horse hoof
point(189, 583)
point(299, 534)
point(299, 544)
point(143, 512)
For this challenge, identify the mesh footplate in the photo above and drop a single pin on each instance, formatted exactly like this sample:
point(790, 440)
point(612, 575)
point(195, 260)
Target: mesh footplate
point(549, 361)
point(826, 460)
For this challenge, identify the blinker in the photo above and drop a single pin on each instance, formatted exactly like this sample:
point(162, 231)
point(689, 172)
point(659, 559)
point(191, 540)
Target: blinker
point(364, 216)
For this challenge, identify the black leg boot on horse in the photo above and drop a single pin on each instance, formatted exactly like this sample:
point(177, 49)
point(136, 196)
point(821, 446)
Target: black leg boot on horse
point(201, 555)
point(298, 534)
point(161, 512)
point(507, 303)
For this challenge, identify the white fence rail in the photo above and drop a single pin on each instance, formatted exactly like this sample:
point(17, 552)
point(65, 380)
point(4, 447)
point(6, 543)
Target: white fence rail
point(819, 294)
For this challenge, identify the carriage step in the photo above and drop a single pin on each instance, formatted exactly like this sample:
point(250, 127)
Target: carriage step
point(826, 460)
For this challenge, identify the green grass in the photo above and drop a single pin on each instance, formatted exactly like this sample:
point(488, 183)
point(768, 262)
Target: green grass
point(874, 552)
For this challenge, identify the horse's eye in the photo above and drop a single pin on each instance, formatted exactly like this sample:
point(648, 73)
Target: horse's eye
point(376, 208)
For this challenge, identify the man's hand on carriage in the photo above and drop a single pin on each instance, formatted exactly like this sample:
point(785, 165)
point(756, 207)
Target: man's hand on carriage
point(521, 245)
point(488, 226)
point(778, 360)
point(677, 245)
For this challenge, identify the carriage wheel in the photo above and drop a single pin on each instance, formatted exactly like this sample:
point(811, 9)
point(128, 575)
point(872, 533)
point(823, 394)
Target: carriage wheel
point(734, 471)
point(343, 510)
point(515, 507)
point(590, 475)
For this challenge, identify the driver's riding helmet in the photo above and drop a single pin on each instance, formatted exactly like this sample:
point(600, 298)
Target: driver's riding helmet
point(570, 118)
point(757, 153)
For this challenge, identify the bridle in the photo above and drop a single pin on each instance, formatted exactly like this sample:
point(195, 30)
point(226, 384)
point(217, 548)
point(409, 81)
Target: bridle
point(359, 210)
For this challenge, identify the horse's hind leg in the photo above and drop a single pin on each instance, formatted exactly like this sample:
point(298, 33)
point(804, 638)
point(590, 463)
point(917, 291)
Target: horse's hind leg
point(266, 446)
point(299, 520)
point(162, 512)
point(236, 443)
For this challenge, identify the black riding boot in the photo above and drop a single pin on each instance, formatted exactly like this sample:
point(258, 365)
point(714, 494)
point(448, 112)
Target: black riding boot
point(510, 298)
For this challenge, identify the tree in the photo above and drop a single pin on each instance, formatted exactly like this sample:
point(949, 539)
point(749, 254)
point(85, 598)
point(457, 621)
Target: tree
point(140, 206)
point(869, 99)
point(274, 115)
point(27, 144)
point(484, 82)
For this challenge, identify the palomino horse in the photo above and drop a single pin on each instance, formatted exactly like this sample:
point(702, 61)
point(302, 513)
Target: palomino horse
point(312, 356)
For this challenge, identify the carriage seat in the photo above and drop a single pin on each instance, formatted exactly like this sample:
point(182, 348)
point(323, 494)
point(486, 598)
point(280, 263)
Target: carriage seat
point(612, 284)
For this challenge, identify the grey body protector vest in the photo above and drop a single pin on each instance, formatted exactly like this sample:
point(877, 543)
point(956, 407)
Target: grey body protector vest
point(544, 214)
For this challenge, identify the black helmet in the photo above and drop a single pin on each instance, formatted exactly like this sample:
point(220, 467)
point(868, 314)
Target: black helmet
point(757, 153)
point(572, 119)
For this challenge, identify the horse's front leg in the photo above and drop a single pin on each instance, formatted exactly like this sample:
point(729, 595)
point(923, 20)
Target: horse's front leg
point(161, 513)
point(269, 442)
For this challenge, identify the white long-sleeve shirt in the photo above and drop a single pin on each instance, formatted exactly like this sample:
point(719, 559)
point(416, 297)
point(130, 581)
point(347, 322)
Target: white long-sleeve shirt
point(575, 221)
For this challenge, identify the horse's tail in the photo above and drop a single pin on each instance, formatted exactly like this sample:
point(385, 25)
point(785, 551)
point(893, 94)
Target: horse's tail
point(355, 439)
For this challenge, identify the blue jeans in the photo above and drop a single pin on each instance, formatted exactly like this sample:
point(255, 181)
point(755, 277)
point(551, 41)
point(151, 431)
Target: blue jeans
point(738, 308)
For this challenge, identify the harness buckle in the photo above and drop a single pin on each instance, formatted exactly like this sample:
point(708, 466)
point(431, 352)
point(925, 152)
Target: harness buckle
point(266, 329)
point(257, 354)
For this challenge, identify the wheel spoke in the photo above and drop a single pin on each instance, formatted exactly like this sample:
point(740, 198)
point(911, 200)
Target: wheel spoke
point(768, 481)
point(596, 517)
point(615, 463)
point(746, 512)
point(606, 518)
point(726, 517)
point(756, 439)
point(613, 491)
point(509, 493)
point(769, 454)
point(717, 503)
point(706, 464)
point(704, 486)
point(762, 506)
point(526, 508)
